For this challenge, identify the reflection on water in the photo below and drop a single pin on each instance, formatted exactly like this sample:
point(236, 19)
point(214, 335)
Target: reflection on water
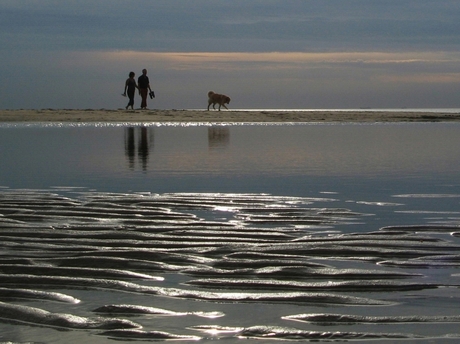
point(330, 150)
point(144, 144)
point(139, 143)
point(293, 159)
point(256, 158)
point(218, 137)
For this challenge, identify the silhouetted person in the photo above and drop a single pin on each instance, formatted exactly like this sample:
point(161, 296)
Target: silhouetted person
point(130, 86)
point(144, 88)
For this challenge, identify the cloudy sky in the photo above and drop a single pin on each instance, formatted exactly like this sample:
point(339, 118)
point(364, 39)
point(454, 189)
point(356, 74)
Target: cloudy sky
point(262, 53)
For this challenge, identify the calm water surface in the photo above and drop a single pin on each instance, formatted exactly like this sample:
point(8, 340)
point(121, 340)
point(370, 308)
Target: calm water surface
point(258, 227)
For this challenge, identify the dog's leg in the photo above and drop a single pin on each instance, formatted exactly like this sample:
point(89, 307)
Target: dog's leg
point(209, 103)
point(224, 106)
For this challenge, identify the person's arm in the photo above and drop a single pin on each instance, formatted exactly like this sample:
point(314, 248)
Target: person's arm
point(126, 86)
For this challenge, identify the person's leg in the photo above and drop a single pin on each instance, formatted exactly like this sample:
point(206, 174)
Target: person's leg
point(131, 100)
point(144, 92)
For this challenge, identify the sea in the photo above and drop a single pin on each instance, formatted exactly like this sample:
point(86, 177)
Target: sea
point(231, 232)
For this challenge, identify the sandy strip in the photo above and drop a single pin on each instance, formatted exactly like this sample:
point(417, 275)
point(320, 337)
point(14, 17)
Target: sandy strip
point(102, 115)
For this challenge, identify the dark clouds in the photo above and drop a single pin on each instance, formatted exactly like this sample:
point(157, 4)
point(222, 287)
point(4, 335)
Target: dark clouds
point(261, 25)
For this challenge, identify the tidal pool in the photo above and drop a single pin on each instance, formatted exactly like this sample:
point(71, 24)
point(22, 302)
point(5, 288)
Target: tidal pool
point(201, 232)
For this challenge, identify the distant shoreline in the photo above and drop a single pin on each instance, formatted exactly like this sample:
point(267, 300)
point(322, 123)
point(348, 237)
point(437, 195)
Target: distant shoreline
point(227, 116)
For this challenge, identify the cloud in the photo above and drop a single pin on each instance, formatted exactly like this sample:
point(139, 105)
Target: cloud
point(438, 78)
point(254, 80)
point(267, 53)
point(256, 25)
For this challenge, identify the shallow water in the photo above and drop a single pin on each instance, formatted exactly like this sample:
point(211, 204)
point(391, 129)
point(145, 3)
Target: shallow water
point(288, 232)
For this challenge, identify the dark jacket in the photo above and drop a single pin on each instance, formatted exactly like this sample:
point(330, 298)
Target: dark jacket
point(143, 81)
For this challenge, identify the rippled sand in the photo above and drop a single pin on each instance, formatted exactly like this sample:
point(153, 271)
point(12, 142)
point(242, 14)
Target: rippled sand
point(180, 266)
point(92, 115)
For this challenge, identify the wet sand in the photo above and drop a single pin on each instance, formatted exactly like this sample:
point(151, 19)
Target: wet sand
point(121, 115)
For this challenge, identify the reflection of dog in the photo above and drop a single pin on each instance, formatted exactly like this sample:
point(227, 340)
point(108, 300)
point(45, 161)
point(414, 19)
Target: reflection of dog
point(215, 98)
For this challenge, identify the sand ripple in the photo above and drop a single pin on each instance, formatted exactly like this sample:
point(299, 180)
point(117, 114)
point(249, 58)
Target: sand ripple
point(210, 256)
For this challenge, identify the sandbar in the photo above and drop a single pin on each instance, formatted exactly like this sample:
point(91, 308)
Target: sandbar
point(224, 116)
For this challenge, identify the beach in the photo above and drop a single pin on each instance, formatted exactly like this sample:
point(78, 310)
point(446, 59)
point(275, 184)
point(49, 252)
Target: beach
point(224, 116)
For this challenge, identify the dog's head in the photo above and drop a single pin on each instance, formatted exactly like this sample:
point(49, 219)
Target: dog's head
point(210, 93)
point(226, 100)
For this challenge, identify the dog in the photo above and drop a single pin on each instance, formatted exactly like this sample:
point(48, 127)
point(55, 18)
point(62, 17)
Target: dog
point(215, 98)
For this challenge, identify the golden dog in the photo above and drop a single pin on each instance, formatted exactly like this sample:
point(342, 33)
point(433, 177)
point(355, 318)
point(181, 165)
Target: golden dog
point(215, 98)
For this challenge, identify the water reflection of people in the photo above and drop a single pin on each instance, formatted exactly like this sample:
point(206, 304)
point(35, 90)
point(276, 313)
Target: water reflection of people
point(143, 148)
point(130, 146)
point(145, 139)
point(218, 137)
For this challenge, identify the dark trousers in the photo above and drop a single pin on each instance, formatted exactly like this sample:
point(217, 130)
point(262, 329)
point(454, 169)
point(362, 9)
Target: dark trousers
point(131, 99)
point(144, 92)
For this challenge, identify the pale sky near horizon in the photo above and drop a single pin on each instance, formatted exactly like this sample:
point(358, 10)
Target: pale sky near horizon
point(262, 53)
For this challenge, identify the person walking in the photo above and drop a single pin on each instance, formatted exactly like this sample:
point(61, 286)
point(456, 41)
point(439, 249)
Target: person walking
point(130, 86)
point(144, 88)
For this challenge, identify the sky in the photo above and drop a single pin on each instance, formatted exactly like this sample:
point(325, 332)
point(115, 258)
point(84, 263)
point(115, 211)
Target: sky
point(264, 54)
